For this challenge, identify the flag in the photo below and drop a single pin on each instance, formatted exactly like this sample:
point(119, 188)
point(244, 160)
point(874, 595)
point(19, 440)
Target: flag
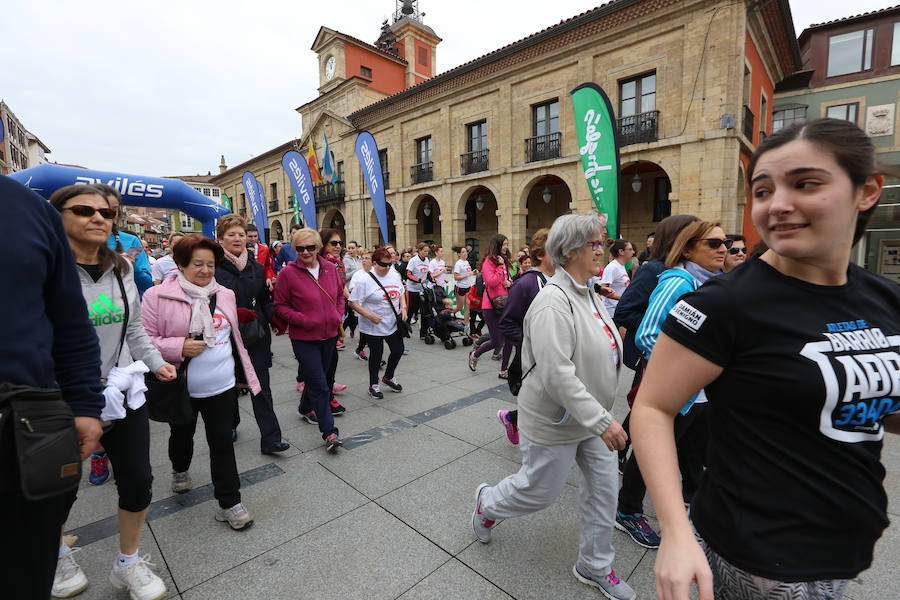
point(226, 202)
point(257, 202)
point(298, 172)
point(594, 123)
point(329, 173)
point(314, 173)
point(296, 209)
point(367, 153)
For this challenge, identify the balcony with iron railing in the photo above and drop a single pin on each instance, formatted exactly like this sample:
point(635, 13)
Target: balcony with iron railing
point(639, 128)
point(422, 172)
point(543, 147)
point(748, 124)
point(473, 162)
point(329, 193)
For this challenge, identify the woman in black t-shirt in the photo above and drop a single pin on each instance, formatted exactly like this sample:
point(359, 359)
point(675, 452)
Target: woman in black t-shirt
point(803, 379)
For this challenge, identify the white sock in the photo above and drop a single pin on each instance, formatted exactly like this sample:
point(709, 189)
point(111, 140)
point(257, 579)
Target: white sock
point(126, 559)
point(63, 550)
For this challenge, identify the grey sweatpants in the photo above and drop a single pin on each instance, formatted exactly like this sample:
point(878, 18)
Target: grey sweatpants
point(540, 481)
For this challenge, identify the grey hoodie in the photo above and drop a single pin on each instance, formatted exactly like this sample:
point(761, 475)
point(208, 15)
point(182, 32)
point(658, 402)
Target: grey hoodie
point(106, 311)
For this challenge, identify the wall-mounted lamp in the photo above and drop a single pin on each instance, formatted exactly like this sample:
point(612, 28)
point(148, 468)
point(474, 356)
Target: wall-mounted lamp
point(427, 210)
point(636, 182)
point(546, 195)
point(479, 203)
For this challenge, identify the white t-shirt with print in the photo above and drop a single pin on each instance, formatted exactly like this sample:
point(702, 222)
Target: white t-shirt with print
point(212, 371)
point(436, 268)
point(419, 269)
point(462, 267)
point(617, 277)
point(369, 296)
point(164, 267)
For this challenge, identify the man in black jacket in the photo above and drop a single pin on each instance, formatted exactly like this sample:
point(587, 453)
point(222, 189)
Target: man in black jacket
point(48, 343)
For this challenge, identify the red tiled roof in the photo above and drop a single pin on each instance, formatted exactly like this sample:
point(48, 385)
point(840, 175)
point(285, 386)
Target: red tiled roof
point(194, 178)
point(864, 15)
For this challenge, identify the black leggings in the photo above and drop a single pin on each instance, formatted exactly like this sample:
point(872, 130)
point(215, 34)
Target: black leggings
point(415, 304)
point(127, 444)
point(376, 349)
point(350, 320)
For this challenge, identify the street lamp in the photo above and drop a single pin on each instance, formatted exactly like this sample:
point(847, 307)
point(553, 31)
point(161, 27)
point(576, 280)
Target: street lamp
point(479, 203)
point(546, 195)
point(427, 210)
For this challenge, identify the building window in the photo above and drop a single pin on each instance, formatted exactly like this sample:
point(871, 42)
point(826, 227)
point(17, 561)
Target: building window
point(848, 112)
point(471, 215)
point(365, 72)
point(477, 136)
point(207, 192)
point(763, 110)
point(423, 56)
point(895, 48)
point(545, 118)
point(423, 150)
point(637, 95)
point(662, 207)
point(340, 171)
point(187, 222)
point(216, 193)
point(273, 190)
point(784, 117)
point(850, 52)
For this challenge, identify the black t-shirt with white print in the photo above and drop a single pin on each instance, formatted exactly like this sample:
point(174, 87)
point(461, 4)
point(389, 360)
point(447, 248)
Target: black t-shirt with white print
point(794, 486)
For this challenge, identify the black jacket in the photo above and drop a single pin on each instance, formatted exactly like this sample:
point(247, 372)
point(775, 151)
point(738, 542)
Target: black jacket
point(632, 306)
point(249, 286)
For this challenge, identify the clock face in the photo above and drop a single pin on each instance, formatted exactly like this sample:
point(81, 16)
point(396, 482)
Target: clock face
point(329, 67)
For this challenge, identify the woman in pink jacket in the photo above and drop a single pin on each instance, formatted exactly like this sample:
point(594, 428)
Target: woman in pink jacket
point(178, 320)
point(310, 298)
point(495, 273)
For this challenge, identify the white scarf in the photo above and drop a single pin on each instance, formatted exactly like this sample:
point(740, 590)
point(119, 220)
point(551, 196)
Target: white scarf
point(201, 318)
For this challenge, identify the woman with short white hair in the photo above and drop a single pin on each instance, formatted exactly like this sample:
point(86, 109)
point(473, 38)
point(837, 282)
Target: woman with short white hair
point(571, 355)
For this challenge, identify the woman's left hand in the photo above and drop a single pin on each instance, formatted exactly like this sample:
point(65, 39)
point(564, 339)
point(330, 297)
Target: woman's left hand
point(166, 372)
point(403, 313)
point(507, 283)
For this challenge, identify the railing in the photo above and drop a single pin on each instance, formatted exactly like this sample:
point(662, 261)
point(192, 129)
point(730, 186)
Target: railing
point(748, 123)
point(273, 205)
point(473, 162)
point(329, 193)
point(386, 177)
point(543, 147)
point(635, 129)
point(422, 172)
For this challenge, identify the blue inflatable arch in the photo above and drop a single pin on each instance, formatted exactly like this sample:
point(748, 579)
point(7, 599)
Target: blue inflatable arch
point(135, 189)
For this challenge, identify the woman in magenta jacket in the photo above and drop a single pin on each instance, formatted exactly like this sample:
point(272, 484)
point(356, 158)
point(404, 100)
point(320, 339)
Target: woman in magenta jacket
point(495, 272)
point(178, 319)
point(310, 298)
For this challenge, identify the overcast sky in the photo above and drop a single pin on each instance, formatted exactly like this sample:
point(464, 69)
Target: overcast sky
point(166, 87)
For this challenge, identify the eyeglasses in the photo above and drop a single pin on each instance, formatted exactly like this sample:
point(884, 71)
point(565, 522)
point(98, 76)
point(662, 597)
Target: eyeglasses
point(594, 244)
point(83, 210)
point(334, 243)
point(310, 248)
point(383, 264)
point(714, 243)
point(737, 250)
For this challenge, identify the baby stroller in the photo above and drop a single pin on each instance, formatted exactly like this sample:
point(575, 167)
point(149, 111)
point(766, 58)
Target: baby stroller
point(438, 325)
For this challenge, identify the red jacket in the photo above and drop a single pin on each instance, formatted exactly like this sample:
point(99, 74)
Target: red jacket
point(265, 259)
point(311, 314)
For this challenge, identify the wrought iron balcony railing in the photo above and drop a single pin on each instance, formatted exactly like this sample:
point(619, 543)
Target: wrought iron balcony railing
point(473, 162)
point(329, 193)
point(635, 129)
point(422, 172)
point(543, 147)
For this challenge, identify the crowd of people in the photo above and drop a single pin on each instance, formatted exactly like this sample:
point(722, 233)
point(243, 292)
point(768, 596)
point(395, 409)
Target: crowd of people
point(758, 400)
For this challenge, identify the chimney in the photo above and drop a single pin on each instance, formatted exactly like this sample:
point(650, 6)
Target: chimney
point(222, 167)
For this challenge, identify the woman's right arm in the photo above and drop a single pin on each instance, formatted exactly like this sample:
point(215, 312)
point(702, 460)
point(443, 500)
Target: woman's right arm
point(169, 347)
point(674, 374)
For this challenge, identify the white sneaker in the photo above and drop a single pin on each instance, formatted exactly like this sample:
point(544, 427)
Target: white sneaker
point(237, 516)
point(138, 579)
point(69, 579)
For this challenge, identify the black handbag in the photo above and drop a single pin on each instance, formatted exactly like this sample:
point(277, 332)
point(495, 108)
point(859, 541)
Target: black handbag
point(37, 428)
point(169, 401)
point(402, 326)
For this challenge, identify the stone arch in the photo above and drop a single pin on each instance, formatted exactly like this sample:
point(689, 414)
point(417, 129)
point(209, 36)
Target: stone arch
point(373, 232)
point(334, 219)
point(640, 210)
point(541, 211)
point(277, 230)
point(480, 206)
point(425, 226)
point(471, 191)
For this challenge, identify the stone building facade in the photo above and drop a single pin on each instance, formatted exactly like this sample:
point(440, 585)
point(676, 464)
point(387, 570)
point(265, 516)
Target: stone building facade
point(491, 145)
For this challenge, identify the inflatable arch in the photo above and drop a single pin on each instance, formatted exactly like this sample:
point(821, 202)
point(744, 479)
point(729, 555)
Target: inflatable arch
point(136, 190)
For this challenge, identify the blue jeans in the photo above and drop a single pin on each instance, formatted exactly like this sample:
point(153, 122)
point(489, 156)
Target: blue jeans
point(315, 359)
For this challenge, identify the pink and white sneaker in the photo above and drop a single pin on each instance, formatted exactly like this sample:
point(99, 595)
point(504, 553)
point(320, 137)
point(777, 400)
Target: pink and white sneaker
point(338, 388)
point(512, 430)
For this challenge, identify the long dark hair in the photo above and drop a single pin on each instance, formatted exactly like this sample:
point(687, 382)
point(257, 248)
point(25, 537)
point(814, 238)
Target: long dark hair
point(495, 249)
point(109, 259)
point(326, 234)
point(851, 148)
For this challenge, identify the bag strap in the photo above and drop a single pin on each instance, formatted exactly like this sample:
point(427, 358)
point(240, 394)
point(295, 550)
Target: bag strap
point(571, 308)
point(386, 296)
point(127, 311)
point(316, 281)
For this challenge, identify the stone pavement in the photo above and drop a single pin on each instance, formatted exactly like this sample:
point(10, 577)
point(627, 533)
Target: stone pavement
point(388, 517)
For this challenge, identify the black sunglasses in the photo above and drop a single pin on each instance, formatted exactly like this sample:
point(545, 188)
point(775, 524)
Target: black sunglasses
point(737, 250)
point(83, 210)
point(310, 248)
point(334, 243)
point(383, 264)
point(714, 243)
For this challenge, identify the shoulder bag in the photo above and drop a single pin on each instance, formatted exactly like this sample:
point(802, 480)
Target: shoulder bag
point(170, 401)
point(498, 303)
point(252, 332)
point(327, 295)
point(402, 326)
